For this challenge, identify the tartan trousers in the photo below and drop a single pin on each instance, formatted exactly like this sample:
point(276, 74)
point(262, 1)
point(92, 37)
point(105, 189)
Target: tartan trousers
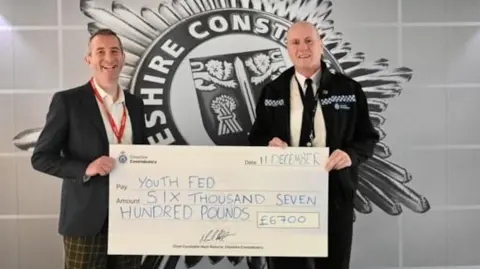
point(90, 252)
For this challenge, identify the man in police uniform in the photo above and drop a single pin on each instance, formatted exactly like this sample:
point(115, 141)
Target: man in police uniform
point(340, 121)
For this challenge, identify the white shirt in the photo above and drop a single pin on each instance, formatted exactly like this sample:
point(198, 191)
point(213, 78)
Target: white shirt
point(116, 110)
point(296, 111)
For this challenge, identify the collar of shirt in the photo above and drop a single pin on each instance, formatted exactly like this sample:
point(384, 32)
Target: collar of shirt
point(104, 94)
point(315, 80)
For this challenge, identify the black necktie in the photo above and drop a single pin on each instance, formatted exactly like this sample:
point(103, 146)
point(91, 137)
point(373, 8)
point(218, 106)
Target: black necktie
point(308, 103)
point(309, 99)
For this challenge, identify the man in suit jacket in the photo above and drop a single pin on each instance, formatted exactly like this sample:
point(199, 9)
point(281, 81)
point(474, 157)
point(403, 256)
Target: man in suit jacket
point(74, 145)
point(341, 122)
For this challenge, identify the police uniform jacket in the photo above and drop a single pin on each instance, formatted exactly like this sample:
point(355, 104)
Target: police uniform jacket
point(347, 126)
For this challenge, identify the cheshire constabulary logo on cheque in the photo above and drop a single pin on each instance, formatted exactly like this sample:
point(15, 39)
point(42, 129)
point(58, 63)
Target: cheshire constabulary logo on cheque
point(122, 158)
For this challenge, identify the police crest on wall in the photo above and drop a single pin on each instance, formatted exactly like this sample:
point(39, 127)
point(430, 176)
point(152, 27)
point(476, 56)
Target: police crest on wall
point(200, 65)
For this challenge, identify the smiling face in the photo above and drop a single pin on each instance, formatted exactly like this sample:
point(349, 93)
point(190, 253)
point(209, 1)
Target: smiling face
point(305, 47)
point(106, 59)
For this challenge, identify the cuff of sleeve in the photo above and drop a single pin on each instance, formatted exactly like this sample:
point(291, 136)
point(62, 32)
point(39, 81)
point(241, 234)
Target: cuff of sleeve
point(353, 156)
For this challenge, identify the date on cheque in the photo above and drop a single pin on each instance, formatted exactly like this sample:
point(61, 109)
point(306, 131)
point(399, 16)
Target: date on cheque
point(295, 220)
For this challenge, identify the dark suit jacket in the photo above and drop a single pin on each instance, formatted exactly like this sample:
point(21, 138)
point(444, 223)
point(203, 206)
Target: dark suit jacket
point(73, 136)
point(348, 127)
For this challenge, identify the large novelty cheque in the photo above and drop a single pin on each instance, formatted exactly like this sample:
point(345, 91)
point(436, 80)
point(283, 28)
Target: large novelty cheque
point(218, 201)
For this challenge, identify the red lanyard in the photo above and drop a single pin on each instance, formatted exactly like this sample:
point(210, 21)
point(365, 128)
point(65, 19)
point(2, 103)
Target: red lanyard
point(118, 133)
